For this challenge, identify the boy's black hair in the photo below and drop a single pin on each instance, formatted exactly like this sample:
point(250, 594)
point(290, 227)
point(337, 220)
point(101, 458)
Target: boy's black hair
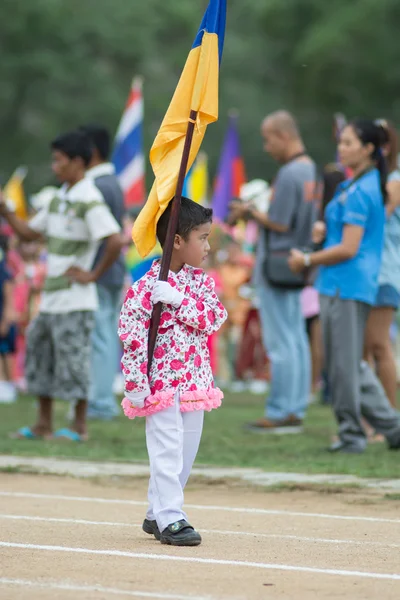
point(191, 216)
point(100, 138)
point(75, 144)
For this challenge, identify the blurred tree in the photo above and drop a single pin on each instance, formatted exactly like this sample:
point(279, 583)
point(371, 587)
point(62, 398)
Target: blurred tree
point(66, 63)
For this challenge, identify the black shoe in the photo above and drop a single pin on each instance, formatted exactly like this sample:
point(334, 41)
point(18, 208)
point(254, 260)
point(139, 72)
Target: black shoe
point(180, 534)
point(151, 528)
point(345, 448)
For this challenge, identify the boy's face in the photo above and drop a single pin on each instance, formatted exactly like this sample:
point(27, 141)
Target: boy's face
point(65, 168)
point(195, 249)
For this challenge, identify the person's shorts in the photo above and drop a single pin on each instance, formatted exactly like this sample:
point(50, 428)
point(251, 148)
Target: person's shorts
point(7, 342)
point(58, 350)
point(387, 296)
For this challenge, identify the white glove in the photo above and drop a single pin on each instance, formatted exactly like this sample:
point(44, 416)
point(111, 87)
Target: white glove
point(138, 398)
point(165, 293)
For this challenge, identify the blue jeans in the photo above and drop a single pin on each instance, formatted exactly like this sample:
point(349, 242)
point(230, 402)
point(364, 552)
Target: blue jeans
point(102, 402)
point(285, 339)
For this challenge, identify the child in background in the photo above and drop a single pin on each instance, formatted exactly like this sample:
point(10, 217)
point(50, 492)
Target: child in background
point(7, 331)
point(180, 386)
point(29, 282)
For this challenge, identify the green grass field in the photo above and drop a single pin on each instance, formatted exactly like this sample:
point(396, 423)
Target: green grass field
point(225, 441)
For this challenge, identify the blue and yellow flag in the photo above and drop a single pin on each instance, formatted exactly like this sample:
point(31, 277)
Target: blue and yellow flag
point(197, 90)
point(196, 182)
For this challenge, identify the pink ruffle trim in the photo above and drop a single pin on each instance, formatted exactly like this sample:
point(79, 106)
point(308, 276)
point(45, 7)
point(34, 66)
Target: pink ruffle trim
point(189, 401)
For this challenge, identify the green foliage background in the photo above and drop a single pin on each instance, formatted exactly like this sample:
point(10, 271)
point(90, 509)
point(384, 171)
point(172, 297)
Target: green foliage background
point(68, 62)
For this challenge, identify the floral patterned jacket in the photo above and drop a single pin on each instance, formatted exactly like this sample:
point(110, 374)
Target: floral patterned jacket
point(181, 358)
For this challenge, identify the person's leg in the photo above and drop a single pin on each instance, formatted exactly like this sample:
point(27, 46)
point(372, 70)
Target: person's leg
point(45, 418)
point(279, 341)
point(375, 405)
point(316, 354)
point(8, 390)
point(39, 372)
point(376, 408)
point(379, 346)
point(244, 358)
point(192, 430)
point(301, 360)
point(325, 321)
point(71, 334)
point(102, 402)
point(343, 333)
point(164, 438)
point(150, 498)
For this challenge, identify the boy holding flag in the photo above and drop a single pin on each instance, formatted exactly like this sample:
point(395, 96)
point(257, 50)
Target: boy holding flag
point(173, 391)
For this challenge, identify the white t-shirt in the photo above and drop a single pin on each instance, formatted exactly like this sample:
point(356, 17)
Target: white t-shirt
point(73, 223)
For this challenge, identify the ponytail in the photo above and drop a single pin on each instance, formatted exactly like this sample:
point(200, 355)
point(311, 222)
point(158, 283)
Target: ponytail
point(381, 165)
point(375, 133)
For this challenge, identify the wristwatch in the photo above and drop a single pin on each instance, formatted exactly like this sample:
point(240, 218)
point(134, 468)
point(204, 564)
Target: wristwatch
point(307, 260)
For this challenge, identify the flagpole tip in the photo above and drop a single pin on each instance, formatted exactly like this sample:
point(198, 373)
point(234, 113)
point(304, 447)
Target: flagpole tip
point(233, 113)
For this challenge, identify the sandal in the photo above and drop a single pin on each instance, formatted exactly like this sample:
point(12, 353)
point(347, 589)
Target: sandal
point(26, 433)
point(70, 435)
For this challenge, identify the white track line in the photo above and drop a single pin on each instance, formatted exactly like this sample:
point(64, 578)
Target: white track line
point(204, 561)
point(255, 534)
point(252, 511)
point(70, 587)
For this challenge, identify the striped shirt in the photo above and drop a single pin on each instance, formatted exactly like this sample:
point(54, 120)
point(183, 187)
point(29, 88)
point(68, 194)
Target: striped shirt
point(73, 223)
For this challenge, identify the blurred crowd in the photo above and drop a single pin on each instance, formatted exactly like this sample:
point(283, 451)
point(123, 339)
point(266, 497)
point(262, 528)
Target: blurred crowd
point(307, 266)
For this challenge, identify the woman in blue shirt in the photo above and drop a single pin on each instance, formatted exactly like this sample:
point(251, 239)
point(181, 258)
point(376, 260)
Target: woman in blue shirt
point(348, 281)
point(378, 345)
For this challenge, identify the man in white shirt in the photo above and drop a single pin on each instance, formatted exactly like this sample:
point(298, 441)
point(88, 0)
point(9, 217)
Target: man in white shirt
point(59, 339)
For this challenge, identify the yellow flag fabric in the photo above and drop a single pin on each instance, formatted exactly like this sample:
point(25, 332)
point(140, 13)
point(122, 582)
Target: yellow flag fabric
point(197, 90)
point(198, 182)
point(14, 192)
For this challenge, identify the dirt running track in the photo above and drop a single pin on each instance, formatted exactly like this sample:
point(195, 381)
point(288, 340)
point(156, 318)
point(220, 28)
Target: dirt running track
point(64, 538)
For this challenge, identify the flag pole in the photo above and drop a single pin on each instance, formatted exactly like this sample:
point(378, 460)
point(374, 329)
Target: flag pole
point(171, 231)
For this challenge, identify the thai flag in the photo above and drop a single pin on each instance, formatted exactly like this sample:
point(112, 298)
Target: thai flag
point(128, 157)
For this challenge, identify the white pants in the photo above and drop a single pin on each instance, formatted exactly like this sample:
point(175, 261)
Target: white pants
point(173, 439)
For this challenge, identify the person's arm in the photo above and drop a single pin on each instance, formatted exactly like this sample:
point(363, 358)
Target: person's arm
point(9, 316)
point(113, 247)
point(200, 309)
point(247, 211)
point(354, 222)
point(347, 249)
point(265, 221)
point(393, 191)
point(284, 203)
point(19, 226)
point(133, 331)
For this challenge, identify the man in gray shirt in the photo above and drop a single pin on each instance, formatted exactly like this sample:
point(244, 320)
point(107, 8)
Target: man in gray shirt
point(288, 224)
point(102, 402)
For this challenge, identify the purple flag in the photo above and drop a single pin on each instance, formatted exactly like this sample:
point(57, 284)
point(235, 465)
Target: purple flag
point(231, 173)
